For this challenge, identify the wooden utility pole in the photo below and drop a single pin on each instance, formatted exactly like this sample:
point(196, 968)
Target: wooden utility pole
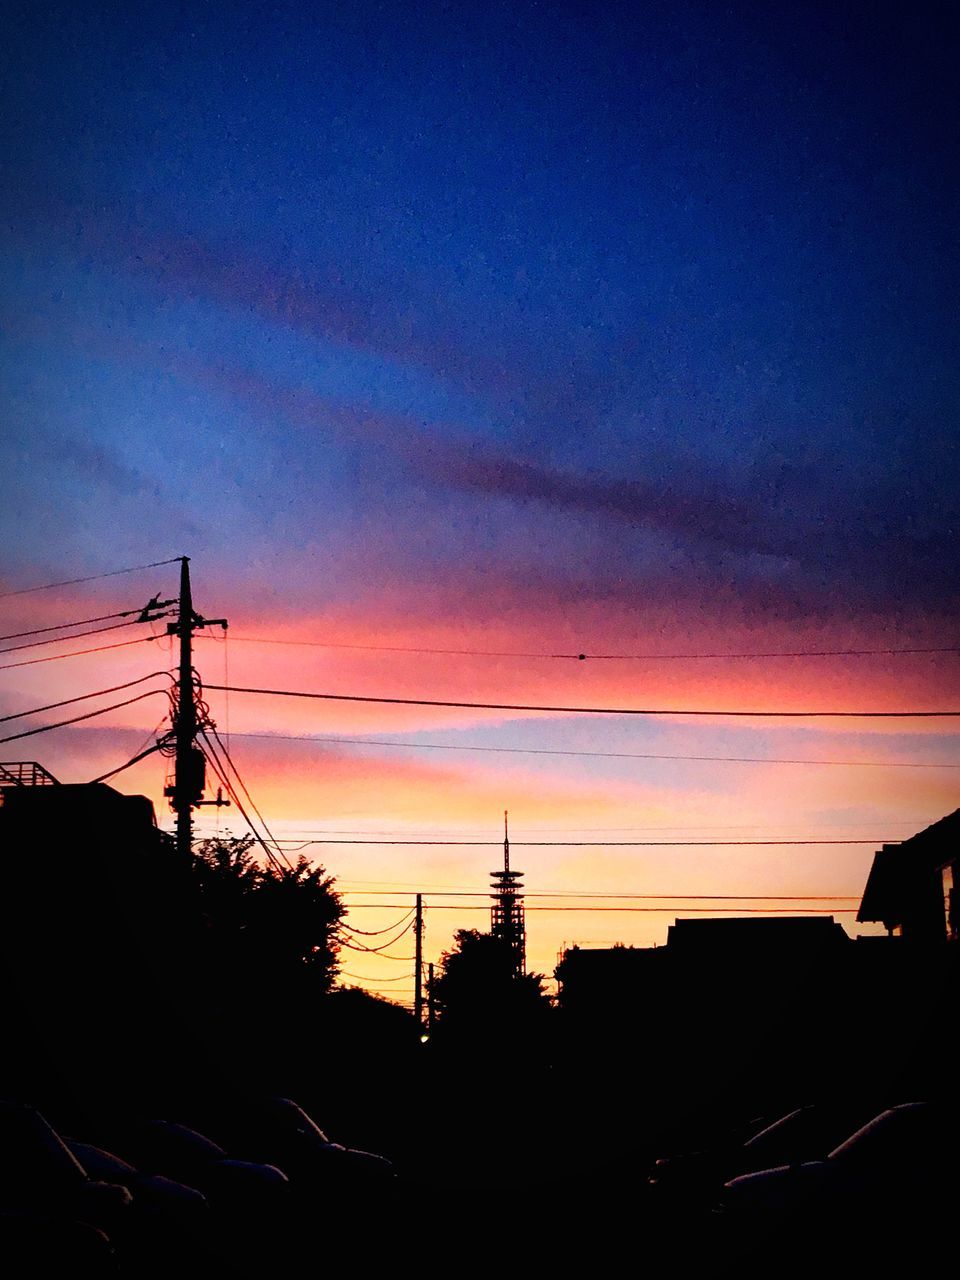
point(418, 961)
point(185, 772)
point(189, 763)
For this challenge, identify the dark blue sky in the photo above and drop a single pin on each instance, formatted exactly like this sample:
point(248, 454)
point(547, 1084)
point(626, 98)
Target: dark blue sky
point(601, 297)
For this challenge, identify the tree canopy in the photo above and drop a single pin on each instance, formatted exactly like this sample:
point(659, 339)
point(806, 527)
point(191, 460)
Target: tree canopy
point(284, 919)
point(477, 988)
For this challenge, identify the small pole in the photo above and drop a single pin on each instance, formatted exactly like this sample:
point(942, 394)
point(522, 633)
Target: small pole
point(430, 999)
point(418, 958)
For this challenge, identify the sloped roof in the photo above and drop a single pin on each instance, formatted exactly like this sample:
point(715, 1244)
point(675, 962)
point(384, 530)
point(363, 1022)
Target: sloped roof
point(898, 868)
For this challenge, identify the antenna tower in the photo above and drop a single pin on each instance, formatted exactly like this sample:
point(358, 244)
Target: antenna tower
point(506, 913)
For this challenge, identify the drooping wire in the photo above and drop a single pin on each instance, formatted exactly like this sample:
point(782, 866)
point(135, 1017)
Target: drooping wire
point(65, 626)
point(373, 933)
point(607, 657)
point(622, 897)
point(593, 711)
point(604, 755)
point(221, 773)
point(76, 653)
point(93, 577)
point(64, 702)
point(759, 911)
point(212, 728)
point(141, 755)
point(45, 728)
point(359, 977)
point(356, 946)
point(80, 635)
point(609, 844)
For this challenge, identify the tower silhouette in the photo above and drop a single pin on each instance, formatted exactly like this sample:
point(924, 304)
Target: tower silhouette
point(506, 913)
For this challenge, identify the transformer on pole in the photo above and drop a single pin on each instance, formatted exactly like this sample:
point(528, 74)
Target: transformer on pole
point(189, 777)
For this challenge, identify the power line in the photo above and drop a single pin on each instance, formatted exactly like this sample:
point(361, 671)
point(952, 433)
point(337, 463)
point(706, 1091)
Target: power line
point(80, 635)
point(77, 653)
point(93, 577)
point(243, 785)
point(359, 977)
point(651, 897)
point(221, 773)
point(372, 933)
point(306, 832)
point(604, 844)
point(45, 728)
point(359, 946)
point(606, 755)
point(134, 760)
point(233, 793)
point(401, 886)
point(63, 626)
point(737, 911)
point(607, 657)
point(51, 706)
point(593, 711)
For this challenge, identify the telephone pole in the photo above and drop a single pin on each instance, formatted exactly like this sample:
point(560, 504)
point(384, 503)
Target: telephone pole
point(418, 962)
point(189, 774)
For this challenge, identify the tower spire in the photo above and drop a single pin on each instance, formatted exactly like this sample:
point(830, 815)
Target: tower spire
point(506, 912)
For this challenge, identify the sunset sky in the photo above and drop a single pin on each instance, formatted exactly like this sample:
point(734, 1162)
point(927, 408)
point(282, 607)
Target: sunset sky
point(510, 328)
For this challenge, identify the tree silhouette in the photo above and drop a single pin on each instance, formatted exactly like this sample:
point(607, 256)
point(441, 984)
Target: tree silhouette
point(284, 920)
point(478, 991)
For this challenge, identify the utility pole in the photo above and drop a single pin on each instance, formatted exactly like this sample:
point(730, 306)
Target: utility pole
point(189, 762)
point(418, 960)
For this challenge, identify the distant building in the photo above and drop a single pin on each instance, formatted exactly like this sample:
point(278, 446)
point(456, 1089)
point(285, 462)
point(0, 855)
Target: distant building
point(755, 938)
point(588, 976)
point(32, 800)
point(912, 886)
point(753, 953)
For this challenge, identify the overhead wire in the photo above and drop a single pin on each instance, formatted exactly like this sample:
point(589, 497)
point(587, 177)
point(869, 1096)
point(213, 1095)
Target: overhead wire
point(651, 897)
point(603, 755)
point(372, 933)
point(246, 792)
point(359, 977)
point(359, 946)
point(593, 711)
point(64, 626)
point(762, 911)
point(93, 577)
point(583, 657)
point(77, 653)
point(82, 697)
point(306, 832)
point(80, 635)
point(605, 844)
point(46, 728)
point(141, 755)
point(223, 775)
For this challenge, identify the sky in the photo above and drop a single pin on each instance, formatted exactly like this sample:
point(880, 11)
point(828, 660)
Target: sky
point(520, 329)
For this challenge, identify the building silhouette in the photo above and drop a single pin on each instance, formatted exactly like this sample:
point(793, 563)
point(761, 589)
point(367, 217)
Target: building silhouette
point(912, 886)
